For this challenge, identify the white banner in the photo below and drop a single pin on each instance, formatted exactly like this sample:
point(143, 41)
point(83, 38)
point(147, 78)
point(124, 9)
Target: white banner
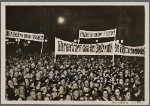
point(129, 50)
point(97, 34)
point(24, 35)
point(71, 48)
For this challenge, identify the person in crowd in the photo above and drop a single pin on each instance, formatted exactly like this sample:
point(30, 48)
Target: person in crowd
point(10, 90)
point(127, 95)
point(75, 94)
point(46, 98)
point(112, 98)
point(22, 93)
point(32, 94)
point(39, 96)
point(118, 94)
point(105, 95)
point(61, 91)
point(68, 97)
point(29, 98)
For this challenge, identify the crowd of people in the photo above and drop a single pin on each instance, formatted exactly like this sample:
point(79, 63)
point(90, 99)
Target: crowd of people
point(37, 77)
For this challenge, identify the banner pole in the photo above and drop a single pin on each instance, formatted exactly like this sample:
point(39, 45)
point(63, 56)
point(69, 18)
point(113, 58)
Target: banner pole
point(55, 57)
point(42, 47)
point(55, 50)
point(113, 56)
point(114, 49)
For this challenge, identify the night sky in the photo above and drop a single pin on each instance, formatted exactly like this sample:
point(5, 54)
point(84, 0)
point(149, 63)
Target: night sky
point(43, 19)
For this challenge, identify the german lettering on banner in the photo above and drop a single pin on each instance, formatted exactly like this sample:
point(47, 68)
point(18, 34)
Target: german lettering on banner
point(97, 34)
point(23, 35)
point(129, 50)
point(71, 48)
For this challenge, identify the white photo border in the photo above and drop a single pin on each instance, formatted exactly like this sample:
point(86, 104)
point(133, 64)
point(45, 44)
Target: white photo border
point(3, 50)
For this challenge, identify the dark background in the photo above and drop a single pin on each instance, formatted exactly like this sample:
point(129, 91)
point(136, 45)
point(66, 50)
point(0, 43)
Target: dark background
point(128, 20)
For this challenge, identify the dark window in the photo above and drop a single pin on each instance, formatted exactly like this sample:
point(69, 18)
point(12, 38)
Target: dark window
point(123, 32)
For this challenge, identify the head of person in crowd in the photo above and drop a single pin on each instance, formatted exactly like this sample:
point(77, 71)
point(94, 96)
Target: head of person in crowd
point(29, 98)
point(27, 82)
point(38, 75)
point(127, 72)
point(33, 94)
point(27, 69)
point(44, 73)
point(11, 73)
point(68, 97)
point(112, 98)
point(81, 92)
point(10, 83)
point(105, 96)
point(16, 74)
point(21, 89)
point(62, 81)
point(82, 98)
point(127, 95)
point(46, 81)
point(101, 79)
point(132, 81)
point(14, 79)
point(61, 90)
point(39, 95)
point(137, 91)
point(121, 81)
point(16, 92)
point(32, 84)
point(118, 96)
point(96, 83)
point(108, 87)
point(86, 83)
point(76, 94)
point(44, 89)
point(136, 77)
point(54, 95)
point(121, 74)
point(91, 75)
point(51, 75)
point(74, 86)
point(22, 92)
point(46, 98)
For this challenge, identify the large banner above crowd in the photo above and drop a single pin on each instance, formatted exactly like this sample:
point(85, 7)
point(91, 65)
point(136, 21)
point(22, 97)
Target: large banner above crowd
point(129, 50)
point(71, 48)
point(108, 48)
point(97, 34)
point(24, 35)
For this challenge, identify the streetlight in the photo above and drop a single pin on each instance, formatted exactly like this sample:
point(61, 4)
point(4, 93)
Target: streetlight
point(28, 42)
point(75, 40)
point(46, 40)
point(121, 41)
point(117, 41)
point(17, 40)
point(96, 41)
point(61, 20)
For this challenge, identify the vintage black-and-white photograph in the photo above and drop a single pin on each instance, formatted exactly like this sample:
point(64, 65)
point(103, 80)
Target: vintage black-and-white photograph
point(75, 53)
